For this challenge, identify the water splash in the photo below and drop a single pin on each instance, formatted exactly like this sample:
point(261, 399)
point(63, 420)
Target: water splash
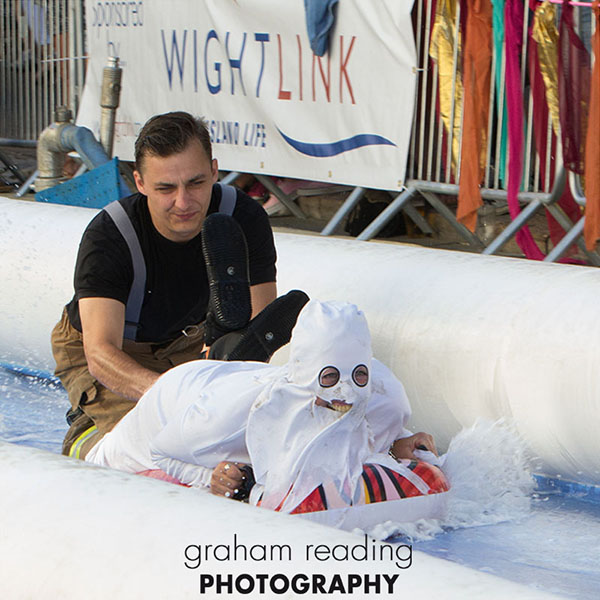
point(489, 472)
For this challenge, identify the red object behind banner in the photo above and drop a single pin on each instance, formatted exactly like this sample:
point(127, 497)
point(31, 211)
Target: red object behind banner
point(592, 148)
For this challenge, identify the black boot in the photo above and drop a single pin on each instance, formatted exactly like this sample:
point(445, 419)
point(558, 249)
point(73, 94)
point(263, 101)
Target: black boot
point(265, 334)
point(226, 256)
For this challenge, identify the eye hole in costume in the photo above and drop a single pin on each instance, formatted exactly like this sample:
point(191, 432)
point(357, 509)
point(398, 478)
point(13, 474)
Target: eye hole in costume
point(328, 377)
point(360, 375)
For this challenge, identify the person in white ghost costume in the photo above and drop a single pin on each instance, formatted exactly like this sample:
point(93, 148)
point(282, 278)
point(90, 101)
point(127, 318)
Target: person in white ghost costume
point(318, 418)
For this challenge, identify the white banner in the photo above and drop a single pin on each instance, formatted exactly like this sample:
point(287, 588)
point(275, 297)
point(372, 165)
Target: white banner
point(272, 106)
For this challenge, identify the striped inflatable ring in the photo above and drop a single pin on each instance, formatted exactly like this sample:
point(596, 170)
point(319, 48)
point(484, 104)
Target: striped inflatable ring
point(379, 484)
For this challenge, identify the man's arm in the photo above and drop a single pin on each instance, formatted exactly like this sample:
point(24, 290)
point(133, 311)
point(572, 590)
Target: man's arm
point(102, 321)
point(261, 295)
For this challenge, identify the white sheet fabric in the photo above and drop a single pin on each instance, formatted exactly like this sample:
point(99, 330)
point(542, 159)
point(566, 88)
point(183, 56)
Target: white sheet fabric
point(192, 418)
point(204, 412)
point(319, 444)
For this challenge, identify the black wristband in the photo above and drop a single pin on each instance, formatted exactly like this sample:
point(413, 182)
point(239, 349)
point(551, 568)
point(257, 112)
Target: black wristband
point(243, 492)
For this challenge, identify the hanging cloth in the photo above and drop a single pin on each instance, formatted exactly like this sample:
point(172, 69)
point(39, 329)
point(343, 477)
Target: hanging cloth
point(545, 35)
point(498, 28)
point(320, 18)
point(444, 42)
point(573, 90)
point(514, 97)
point(538, 87)
point(477, 76)
point(591, 228)
point(543, 77)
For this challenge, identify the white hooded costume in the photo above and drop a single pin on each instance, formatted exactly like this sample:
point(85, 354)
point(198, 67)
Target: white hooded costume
point(203, 412)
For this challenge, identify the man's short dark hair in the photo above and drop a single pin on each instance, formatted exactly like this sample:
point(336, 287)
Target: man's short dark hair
point(164, 135)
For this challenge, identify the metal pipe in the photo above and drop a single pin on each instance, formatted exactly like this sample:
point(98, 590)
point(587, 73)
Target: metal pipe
point(380, 221)
point(284, 198)
point(109, 102)
point(575, 186)
point(344, 210)
point(415, 216)
point(566, 241)
point(513, 227)
point(451, 189)
point(230, 177)
point(561, 218)
point(50, 154)
point(18, 143)
point(447, 214)
point(25, 187)
point(58, 139)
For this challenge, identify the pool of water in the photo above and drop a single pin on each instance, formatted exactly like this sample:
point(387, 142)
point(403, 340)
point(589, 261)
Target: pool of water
point(32, 411)
point(555, 548)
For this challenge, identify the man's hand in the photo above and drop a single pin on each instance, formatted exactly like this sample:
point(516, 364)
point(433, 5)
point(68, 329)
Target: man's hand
point(405, 447)
point(227, 479)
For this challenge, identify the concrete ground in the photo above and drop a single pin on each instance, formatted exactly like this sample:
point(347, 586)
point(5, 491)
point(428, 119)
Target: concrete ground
point(320, 208)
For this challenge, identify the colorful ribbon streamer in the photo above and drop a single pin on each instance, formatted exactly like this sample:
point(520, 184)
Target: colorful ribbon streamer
point(573, 91)
point(514, 98)
point(543, 77)
point(545, 34)
point(477, 77)
point(444, 41)
point(591, 228)
point(498, 27)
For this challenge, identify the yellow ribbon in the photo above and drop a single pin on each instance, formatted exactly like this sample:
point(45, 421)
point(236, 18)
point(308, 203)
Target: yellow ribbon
point(545, 34)
point(444, 41)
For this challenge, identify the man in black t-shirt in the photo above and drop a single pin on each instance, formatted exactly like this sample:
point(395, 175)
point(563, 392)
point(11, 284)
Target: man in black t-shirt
point(104, 373)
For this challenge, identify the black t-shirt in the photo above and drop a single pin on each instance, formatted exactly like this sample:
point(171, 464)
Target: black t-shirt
point(176, 280)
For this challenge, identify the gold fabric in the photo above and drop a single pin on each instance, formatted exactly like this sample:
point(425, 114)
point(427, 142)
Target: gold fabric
point(444, 40)
point(545, 34)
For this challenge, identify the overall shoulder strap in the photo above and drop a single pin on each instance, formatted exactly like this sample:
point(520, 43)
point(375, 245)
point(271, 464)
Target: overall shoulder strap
point(228, 199)
point(136, 294)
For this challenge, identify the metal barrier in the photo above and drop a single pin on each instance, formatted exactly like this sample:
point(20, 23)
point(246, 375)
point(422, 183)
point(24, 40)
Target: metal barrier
point(433, 144)
point(42, 63)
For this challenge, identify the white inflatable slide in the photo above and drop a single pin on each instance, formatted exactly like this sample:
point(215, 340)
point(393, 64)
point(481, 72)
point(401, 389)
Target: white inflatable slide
point(469, 336)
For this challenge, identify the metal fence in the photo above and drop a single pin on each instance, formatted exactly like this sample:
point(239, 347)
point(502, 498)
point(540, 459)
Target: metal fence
point(433, 143)
point(42, 63)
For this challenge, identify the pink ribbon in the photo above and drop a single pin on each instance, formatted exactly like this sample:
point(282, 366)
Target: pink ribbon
point(513, 16)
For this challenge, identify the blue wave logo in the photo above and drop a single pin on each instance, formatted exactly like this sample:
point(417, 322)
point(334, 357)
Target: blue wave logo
point(335, 148)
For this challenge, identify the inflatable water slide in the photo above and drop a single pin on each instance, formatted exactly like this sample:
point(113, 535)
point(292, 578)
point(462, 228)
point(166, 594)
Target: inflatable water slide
point(475, 339)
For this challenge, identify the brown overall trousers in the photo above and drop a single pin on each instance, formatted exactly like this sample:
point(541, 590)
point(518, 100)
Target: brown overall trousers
point(95, 409)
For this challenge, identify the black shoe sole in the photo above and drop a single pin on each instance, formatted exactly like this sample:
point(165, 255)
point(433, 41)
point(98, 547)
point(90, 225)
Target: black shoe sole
point(226, 257)
point(266, 333)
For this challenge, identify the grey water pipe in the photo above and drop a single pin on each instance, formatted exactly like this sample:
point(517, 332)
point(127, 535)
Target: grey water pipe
point(109, 102)
point(18, 143)
point(58, 139)
point(63, 136)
